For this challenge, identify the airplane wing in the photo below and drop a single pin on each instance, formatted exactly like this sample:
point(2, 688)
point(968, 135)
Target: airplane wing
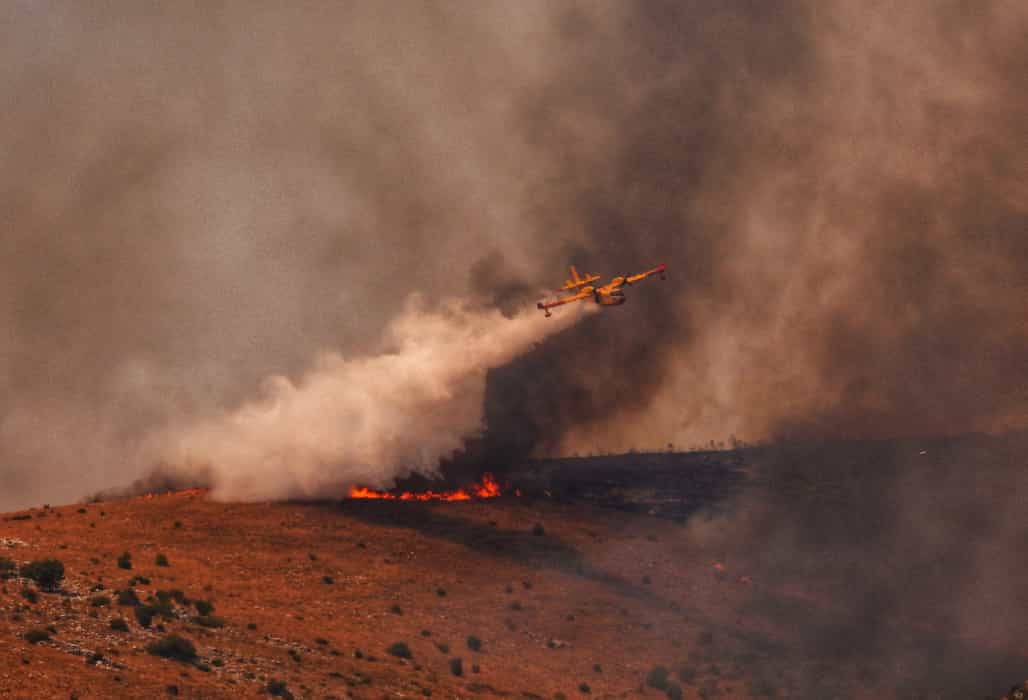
point(547, 305)
point(632, 279)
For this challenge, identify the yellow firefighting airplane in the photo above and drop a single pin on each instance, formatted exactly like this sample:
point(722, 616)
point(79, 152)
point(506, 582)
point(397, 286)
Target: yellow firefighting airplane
point(609, 294)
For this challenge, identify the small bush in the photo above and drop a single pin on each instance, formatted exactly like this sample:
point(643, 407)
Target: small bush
point(457, 667)
point(209, 621)
point(127, 596)
point(119, 625)
point(278, 689)
point(515, 606)
point(29, 595)
point(37, 635)
point(145, 614)
point(396, 610)
point(217, 662)
point(161, 560)
point(178, 525)
point(47, 573)
point(141, 580)
point(327, 580)
point(204, 607)
point(538, 530)
point(673, 691)
point(443, 647)
point(441, 592)
point(125, 561)
point(474, 643)
point(8, 569)
point(400, 650)
point(99, 601)
point(295, 655)
point(584, 688)
point(657, 678)
point(173, 647)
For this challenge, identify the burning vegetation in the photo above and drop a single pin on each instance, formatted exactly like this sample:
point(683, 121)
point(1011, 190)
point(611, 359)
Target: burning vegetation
point(488, 487)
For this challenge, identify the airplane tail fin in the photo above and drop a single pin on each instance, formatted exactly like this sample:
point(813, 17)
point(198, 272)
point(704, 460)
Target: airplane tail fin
point(574, 275)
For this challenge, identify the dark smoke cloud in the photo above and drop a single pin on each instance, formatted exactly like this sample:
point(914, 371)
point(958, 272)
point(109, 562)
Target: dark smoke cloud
point(199, 197)
point(839, 192)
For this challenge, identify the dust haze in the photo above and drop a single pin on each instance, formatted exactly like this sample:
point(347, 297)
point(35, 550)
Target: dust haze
point(199, 198)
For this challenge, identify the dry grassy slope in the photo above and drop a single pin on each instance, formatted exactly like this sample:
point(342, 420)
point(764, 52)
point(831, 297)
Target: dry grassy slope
point(454, 570)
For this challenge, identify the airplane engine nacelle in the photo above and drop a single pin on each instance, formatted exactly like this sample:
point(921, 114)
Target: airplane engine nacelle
point(611, 299)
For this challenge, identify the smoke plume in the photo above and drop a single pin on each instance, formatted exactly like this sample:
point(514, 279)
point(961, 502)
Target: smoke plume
point(365, 420)
point(199, 197)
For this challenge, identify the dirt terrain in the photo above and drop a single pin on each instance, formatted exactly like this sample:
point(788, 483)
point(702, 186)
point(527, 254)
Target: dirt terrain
point(603, 574)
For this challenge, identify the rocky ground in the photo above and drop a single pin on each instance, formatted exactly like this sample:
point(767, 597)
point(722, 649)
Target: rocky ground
point(546, 595)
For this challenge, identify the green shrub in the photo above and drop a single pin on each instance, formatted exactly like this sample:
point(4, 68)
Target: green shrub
point(173, 647)
point(8, 569)
point(37, 635)
point(396, 610)
point(204, 607)
point(584, 688)
point(99, 601)
point(209, 621)
point(673, 691)
point(125, 561)
point(457, 667)
point(119, 625)
point(474, 643)
point(127, 596)
point(47, 573)
point(538, 530)
point(144, 614)
point(657, 678)
point(29, 595)
point(278, 689)
point(161, 560)
point(400, 650)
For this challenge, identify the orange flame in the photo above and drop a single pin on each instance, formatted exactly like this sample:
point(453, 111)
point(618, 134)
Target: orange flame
point(488, 488)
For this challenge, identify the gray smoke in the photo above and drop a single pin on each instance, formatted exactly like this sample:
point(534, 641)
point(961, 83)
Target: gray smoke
point(201, 197)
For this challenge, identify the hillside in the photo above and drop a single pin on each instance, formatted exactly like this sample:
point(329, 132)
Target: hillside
point(565, 593)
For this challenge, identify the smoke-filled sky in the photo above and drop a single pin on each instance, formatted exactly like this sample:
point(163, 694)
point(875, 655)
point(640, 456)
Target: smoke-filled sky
point(200, 196)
